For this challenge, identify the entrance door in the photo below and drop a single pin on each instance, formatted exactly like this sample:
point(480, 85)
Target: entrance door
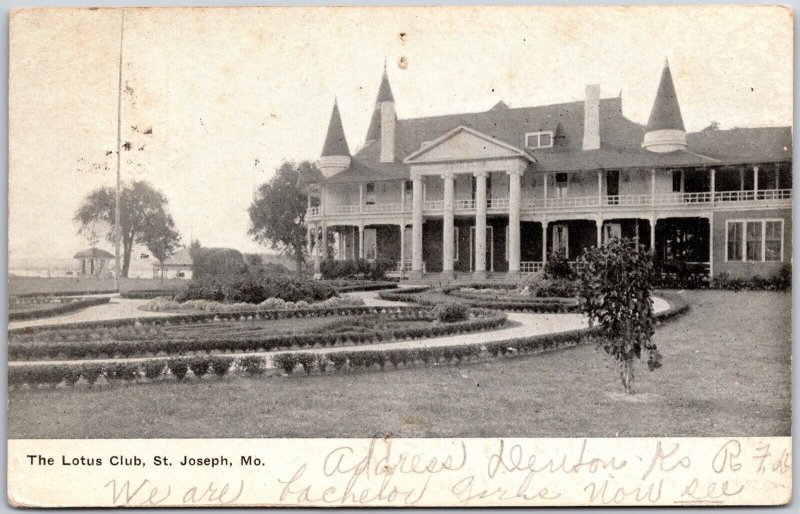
point(612, 186)
point(370, 244)
point(489, 248)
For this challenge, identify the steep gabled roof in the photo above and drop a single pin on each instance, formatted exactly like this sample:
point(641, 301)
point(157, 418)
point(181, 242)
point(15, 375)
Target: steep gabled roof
point(620, 140)
point(666, 113)
point(335, 141)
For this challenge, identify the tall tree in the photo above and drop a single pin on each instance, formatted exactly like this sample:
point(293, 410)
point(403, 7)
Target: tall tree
point(143, 217)
point(160, 237)
point(277, 214)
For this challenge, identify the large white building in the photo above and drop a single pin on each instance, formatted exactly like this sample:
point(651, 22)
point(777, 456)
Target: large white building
point(491, 194)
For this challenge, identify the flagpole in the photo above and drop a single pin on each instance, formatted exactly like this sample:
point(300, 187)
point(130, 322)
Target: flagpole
point(117, 228)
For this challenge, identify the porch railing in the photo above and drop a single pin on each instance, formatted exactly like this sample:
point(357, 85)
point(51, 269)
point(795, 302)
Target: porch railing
point(570, 202)
point(531, 266)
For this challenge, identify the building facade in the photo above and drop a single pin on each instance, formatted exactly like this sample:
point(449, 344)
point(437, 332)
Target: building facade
point(492, 194)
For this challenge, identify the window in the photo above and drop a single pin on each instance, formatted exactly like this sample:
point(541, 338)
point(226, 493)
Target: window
point(543, 139)
point(734, 241)
point(773, 241)
point(754, 240)
point(562, 184)
point(370, 244)
point(561, 240)
point(677, 181)
point(455, 244)
point(370, 200)
point(612, 231)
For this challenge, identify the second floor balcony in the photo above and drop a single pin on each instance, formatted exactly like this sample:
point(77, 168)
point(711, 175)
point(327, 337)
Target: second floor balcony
point(705, 199)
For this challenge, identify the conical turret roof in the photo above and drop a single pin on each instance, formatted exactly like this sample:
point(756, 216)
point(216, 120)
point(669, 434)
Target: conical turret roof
point(335, 141)
point(666, 113)
point(384, 95)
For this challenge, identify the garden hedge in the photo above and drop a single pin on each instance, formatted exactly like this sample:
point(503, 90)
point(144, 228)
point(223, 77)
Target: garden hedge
point(371, 359)
point(541, 305)
point(121, 348)
point(152, 369)
point(56, 308)
point(180, 319)
point(355, 286)
point(149, 294)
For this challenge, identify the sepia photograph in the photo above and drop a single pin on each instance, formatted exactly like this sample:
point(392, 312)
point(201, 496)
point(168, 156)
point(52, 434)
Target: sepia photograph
point(421, 224)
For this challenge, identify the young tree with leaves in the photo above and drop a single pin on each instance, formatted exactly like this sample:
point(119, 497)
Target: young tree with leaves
point(616, 280)
point(144, 218)
point(160, 237)
point(277, 214)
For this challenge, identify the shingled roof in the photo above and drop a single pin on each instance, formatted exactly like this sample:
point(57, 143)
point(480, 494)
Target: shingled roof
point(335, 141)
point(666, 113)
point(620, 141)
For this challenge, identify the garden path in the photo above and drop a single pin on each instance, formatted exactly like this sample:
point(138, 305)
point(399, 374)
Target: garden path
point(523, 324)
point(117, 308)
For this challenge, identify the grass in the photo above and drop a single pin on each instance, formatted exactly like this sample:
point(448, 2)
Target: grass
point(61, 285)
point(727, 372)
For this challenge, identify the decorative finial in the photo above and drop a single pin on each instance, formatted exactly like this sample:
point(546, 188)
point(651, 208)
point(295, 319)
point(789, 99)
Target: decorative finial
point(666, 62)
point(384, 64)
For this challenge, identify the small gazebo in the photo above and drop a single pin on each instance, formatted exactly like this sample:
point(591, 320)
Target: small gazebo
point(94, 261)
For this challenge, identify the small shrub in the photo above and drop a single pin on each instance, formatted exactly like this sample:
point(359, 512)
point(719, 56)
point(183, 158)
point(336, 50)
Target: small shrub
point(451, 312)
point(91, 372)
point(220, 365)
point(322, 363)
point(307, 360)
point(178, 367)
point(253, 365)
point(339, 360)
point(199, 366)
point(153, 368)
point(557, 266)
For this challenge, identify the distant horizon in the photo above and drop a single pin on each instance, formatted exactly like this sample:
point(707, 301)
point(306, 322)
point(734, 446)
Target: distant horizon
point(231, 94)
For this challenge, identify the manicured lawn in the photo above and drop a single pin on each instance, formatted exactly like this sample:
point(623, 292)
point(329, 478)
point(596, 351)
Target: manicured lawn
point(727, 372)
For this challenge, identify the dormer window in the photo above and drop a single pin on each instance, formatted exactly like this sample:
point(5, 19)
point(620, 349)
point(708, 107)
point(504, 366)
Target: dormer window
point(542, 139)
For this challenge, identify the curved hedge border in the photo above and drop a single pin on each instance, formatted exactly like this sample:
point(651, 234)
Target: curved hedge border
point(541, 305)
point(148, 294)
point(369, 359)
point(181, 319)
point(66, 293)
point(376, 286)
point(69, 350)
point(56, 308)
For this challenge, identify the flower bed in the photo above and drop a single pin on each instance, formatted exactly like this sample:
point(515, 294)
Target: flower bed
point(352, 286)
point(535, 304)
point(147, 294)
point(378, 359)
point(48, 307)
point(124, 348)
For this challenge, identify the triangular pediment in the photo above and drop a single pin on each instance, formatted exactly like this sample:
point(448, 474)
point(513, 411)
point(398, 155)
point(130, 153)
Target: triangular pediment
point(464, 143)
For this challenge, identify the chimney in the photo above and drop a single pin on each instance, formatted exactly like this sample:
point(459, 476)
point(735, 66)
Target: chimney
point(388, 122)
point(591, 118)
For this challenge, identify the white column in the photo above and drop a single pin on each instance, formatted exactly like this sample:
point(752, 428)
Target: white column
point(323, 201)
point(448, 225)
point(599, 187)
point(402, 266)
point(777, 176)
point(653, 233)
point(741, 179)
point(416, 220)
point(309, 240)
point(514, 198)
point(545, 188)
point(361, 198)
point(653, 186)
point(755, 182)
point(711, 246)
point(544, 241)
point(599, 223)
point(713, 184)
point(361, 241)
point(480, 224)
point(402, 196)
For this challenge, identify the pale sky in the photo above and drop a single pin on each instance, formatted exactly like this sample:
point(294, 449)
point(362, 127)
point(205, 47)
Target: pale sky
point(222, 88)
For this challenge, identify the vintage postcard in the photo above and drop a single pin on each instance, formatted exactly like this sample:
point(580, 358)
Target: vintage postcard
point(363, 256)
